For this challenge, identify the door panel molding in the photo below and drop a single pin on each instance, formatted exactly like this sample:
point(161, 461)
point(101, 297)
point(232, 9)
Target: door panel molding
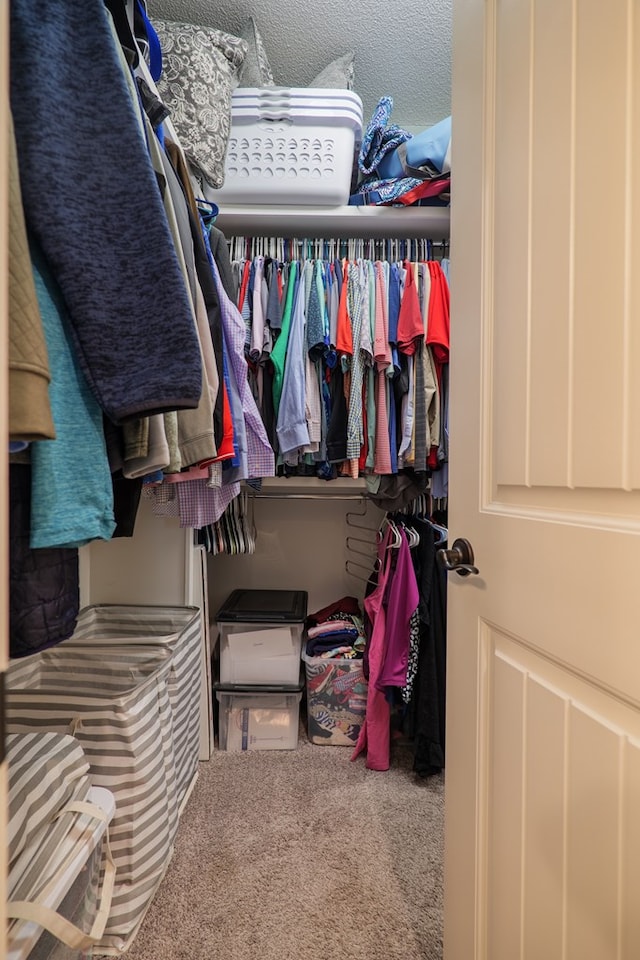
point(559, 675)
point(557, 789)
point(550, 293)
point(573, 509)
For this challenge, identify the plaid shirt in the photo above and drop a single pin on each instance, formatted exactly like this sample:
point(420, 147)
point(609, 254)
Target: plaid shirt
point(260, 459)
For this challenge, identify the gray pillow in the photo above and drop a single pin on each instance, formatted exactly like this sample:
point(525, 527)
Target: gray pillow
point(256, 71)
point(200, 69)
point(338, 74)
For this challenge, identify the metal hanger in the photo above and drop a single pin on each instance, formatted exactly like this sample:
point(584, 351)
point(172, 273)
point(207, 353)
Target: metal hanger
point(361, 553)
point(358, 576)
point(350, 519)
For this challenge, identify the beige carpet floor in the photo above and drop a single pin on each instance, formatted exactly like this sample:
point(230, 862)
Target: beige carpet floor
point(302, 855)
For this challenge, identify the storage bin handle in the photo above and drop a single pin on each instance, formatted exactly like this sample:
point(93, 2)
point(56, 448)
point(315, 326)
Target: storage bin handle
point(51, 920)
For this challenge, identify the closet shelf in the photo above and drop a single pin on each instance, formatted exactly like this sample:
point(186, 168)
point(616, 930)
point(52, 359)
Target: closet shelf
point(282, 488)
point(310, 222)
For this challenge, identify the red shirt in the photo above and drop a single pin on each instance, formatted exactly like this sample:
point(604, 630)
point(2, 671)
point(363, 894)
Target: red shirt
point(410, 325)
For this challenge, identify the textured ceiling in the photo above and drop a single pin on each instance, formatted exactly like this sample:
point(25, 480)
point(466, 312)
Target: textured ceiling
point(402, 48)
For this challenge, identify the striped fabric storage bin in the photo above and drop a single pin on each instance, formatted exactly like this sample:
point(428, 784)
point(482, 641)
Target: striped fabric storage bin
point(179, 630)
point(56, 831)
point(119, 710)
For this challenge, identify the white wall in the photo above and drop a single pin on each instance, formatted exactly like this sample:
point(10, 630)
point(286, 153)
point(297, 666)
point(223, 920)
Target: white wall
point(402, 48)
point(301, 546)
point(150, 567)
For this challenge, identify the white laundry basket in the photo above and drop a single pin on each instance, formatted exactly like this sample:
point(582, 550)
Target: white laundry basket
point(120, 712)
point(290, 146)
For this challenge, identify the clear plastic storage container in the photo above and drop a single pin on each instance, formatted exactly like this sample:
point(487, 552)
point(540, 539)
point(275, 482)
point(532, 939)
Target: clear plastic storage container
point(261, 637)
point(336, 700)
point(258, 721)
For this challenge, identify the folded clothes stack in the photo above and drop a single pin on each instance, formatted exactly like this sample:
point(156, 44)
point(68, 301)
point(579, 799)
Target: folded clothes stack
point(399, 168)
point(336, 631)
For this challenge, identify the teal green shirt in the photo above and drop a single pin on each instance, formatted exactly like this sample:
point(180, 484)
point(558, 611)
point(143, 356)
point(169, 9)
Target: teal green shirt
point(279, 352)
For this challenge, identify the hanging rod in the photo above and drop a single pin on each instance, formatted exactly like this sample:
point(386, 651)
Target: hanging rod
point(327, 497)
point(369, 248)
point(309, 488)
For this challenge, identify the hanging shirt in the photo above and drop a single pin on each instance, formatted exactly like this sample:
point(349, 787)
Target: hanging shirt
point(410, 322)
point(71, 490)
point(375, 733)
point(260, 459)
point(394, 312)
point(226, 450)
point(382, 462)
point(291, 423)
point(194, 437)
point(402, 603)
point(334, 299)
point(257, 312)
point(368, 329)
point(279, 352)
point(344, 333)
point(440, 479)
point(313, 405)
point(200, 504)
point(315, 330)
point(245, 267)
point(405, 453)
point(393, 432)
point(336, 441)
point(236, 467)
point(438, 324)
point(274, 303)
point(433, 405)
point(356, 309)
point(371, 418)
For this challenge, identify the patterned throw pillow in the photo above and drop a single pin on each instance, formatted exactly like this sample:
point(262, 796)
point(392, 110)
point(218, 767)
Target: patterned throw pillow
point(200, 69)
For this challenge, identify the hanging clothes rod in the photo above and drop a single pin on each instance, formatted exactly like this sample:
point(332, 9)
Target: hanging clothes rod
point(284, 249)
point(328, 497)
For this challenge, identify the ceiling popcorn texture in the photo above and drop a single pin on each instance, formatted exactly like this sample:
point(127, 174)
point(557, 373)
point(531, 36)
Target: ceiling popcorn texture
point(402, 48)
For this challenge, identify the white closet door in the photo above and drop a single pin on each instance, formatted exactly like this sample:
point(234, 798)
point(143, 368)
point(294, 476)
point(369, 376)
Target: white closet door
point(543, 727)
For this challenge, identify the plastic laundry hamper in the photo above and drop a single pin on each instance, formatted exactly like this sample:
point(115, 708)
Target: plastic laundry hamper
point(179, 629)
point(336, 700)
point(290, 146)
point(120, 712)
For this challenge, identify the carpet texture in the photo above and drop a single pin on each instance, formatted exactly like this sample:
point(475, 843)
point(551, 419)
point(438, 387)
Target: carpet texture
point(302, 855)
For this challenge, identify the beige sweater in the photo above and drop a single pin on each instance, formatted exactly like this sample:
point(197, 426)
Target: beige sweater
point(29, 409)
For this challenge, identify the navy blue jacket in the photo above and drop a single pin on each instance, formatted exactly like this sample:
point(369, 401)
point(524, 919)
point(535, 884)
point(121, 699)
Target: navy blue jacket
point(92, 200)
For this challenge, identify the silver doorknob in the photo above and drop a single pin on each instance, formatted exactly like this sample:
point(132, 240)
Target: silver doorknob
point(459, 558)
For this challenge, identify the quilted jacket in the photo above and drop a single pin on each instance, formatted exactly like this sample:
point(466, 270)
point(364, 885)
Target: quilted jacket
point(44, 584)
